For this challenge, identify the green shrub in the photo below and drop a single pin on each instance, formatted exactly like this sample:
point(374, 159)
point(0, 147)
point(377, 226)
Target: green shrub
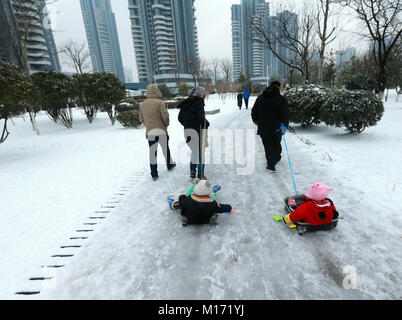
point(129, 119)
point(360, 82)
point(305, 104)
point(354, 110)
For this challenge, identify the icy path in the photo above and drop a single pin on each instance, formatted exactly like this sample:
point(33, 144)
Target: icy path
point(142, 252)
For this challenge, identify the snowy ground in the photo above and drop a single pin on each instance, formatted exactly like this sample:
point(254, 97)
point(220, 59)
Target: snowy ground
point(52, 184)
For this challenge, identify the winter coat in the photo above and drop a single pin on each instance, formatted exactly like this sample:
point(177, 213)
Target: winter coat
point(199, 210)
point(246, 95)
point(269, 111)
point(192, 113)
point(239, 99)
point(153, 112)
point(313, 212)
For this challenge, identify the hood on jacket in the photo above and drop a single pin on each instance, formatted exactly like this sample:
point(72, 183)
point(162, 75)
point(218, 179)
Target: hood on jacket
point(154, 92)
point(271, 91)
point(189, 101)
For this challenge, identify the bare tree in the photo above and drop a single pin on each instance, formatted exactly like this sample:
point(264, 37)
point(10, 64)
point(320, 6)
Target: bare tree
point(298, 37)
point(77, 55)
point(383, 28)
point(204, 70)
point(226, 67)
point(326, 33)
point(194, 64)
point(215, 63)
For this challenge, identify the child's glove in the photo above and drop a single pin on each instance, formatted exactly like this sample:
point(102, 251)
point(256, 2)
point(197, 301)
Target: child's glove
point(216, 188)
point(230, 213)
point(171, 202)
point(278, 218)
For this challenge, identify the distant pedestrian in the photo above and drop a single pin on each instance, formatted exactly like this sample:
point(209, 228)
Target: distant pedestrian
point(192, 117)
point(240, 99)
point(154, 115)
point(270, 112)
point(246, 96)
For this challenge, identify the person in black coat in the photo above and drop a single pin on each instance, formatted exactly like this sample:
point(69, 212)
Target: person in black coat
point(240, 99)
point(271, 110)
point(192, 117)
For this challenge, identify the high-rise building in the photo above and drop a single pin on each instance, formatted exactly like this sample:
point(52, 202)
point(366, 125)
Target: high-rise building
point(24, 22)
point(236, 42)
point(165, 40)
point(284, 47)
point(250, 56)
point(103, 40)
point(48, 34)
point(9, 42)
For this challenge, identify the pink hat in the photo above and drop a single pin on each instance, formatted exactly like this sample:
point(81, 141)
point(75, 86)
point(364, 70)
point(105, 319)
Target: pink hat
point(318, 191)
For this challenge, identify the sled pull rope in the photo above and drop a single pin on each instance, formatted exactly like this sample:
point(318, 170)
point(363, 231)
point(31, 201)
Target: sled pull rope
point(290, 165)
point(287, 151)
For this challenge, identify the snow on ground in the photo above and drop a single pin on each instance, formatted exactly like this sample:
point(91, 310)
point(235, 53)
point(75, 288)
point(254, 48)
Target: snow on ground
point(51, 184)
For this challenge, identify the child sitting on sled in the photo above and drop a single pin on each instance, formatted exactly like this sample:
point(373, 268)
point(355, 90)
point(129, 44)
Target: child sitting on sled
point(313, 210)
point(200, 205)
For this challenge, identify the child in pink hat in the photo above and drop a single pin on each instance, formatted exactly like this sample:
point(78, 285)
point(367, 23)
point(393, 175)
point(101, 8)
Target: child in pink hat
point(316, 208)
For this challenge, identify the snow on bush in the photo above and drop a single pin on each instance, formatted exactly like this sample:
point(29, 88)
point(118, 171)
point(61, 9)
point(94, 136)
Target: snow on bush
point(305, 104)
point(354, 110)
point(129, 119)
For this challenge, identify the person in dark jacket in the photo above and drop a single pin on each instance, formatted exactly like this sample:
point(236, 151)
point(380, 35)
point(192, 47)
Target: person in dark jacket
point(240, 99)
point(246, 95)
point(270, 111)
point(192, 117)
point(200, 206)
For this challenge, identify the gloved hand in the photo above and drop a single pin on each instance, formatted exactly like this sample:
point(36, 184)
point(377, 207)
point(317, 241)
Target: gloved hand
point(216, 188)
point(170, 202)
point(278, 218)
point(283, 129)
point(230, 213)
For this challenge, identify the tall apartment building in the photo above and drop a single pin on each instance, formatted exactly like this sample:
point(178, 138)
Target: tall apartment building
point(103, 40)
point(278, 68)
point(249, 53)
point(24, 21)
point(165, 40)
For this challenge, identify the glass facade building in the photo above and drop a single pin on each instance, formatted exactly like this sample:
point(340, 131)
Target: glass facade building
point(102, 37)
point(27, 21)
point(165, 40)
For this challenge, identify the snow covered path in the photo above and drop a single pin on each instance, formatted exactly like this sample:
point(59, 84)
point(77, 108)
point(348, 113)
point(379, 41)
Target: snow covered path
point(142, 252)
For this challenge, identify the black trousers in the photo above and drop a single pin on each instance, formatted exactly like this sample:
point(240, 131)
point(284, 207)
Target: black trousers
point(153, 142)
point(246, 102)
point(273, 148)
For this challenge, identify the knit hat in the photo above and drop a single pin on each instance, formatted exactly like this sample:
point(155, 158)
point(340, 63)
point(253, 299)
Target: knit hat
point(197, 91)
point(318, 191)
point(203, 188)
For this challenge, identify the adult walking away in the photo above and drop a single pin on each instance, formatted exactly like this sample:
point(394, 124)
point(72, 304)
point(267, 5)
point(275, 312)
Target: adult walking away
point(192, 117)
point(246, 96)
point(154, 115)
point(271, 110)
point(240, 99)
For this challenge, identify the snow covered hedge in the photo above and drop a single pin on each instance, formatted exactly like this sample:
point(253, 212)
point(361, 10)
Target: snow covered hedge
point(129, 119)
point(354, 110)
point(305, 104)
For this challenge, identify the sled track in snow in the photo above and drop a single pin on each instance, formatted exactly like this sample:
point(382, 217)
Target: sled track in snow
point(75, 242)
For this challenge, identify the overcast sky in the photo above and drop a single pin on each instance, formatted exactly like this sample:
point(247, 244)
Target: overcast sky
point(213, 22)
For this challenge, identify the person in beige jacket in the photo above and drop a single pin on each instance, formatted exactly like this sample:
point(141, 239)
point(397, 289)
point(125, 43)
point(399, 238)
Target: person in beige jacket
point(155, 117)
